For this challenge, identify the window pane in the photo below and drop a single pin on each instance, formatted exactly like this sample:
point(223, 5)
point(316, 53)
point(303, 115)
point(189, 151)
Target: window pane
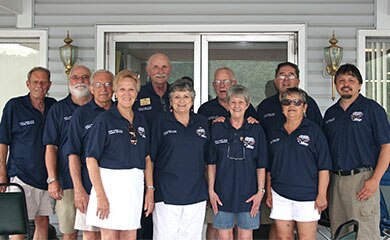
point(377, 80)
point(253, 63)
point(17, 57)
point(134, 56)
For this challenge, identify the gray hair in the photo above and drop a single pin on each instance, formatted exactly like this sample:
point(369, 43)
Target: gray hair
point(102, 71)
point(182, 85)
point(38, 69)
point(295, 90)
point(80, 66)
point(239, 91)
point(232, 75)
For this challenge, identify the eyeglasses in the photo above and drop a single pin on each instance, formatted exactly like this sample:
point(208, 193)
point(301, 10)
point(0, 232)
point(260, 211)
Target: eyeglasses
point(236, 158)
point(133, 136)
point(289, 76)
point(83, 77)
point(287, 102)
point(225, 82)
point(99, 84)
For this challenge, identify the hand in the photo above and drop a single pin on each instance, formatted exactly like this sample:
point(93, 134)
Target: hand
point(370, 186)
point(149, 202)
point(252, 120)
point(3, 179)
point(214, 201)
point(219, 119)
point(256, 199)
point(268, 200)
point(320, 203)
point(103, 207)
point(55, 190)
point(81, 199)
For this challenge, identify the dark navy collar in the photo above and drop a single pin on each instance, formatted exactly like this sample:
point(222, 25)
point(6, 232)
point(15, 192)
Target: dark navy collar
point(193, 118)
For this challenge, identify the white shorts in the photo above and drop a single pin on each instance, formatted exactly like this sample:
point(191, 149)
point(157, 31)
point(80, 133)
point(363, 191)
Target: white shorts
point(124, 189)
point(286, 209)
point(81, 223)
point(176, 222)
point(38, 201)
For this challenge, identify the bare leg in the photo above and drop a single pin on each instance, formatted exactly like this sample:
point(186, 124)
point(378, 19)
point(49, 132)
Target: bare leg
point(90, 235)
point(307, 230)
point(272, 232)
point(109, 234)
point(128, 235)
point(245, 234)
point(41, 227)
point(225, 234)
point(72, 236)
point(211, 232)
point(284, 229)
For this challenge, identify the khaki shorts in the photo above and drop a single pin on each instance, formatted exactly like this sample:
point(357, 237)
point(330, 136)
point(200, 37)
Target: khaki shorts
point(38, 201)
point(265, 212)
point(209, 214)
point(81, 223)
point(66, 212)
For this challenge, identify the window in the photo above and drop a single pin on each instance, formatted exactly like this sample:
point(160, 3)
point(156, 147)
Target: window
point(374, 47)
point(20, 50)
point(253, 52)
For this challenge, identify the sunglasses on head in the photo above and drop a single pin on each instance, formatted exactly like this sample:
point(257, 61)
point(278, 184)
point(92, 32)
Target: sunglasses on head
point(287, 102)
point(133, 136)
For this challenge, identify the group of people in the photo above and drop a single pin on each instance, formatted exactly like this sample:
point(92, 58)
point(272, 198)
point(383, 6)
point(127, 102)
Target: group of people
point(148, 162)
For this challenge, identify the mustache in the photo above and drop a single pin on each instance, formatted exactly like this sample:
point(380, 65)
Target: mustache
point(161, 75)
point(78, 85)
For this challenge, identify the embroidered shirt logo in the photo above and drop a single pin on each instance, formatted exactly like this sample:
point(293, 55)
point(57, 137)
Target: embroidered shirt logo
point(274, 140)
point(67, 118)
point(330, 120)
point(269, 115)
point(220, 141)
point(141, 132)
point(26, 123)
point(201, 132)
point(115, 131)
point(249, 142)
point(144, 101)
point(169, 131)
point(357, 116)
point(88, 126)
point(303, 140)
point(148, 108)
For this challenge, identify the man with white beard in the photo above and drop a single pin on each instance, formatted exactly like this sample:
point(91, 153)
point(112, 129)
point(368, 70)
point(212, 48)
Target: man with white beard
point(55, 136)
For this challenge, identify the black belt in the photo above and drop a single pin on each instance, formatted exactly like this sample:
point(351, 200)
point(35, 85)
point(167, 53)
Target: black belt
point(352, 172)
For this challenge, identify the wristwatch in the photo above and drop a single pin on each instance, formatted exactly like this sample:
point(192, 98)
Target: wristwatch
point(50, 180)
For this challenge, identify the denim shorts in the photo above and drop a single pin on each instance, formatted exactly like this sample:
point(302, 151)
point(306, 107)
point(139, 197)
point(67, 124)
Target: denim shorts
point(226, 220)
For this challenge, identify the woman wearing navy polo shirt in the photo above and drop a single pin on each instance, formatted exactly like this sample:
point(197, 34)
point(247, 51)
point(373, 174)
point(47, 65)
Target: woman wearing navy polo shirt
point(299, 170)
point(236, 169)
point(178, 146)
point(118, 162)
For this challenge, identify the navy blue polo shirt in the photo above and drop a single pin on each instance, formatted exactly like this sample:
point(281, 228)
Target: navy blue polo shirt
point(150, 104)
point(21, 128)
point(269, 112)
point(109, 141)
point(356, 135)
point(237, 153)
point(56, 133)
point(212, 110)
point(79, 126)
point(296, 159)
point(178, 154)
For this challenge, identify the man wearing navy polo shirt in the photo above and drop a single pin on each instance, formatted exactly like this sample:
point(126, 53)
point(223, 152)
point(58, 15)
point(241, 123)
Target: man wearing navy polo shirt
point(224, 78)
point(153, 99)
point(55, 136)
point(358, 133)
point(21, 131)
point(80, 123)
point(269, 113)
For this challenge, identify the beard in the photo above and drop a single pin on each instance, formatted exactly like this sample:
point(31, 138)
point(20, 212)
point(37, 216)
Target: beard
point(346, 96)
point(79, 90)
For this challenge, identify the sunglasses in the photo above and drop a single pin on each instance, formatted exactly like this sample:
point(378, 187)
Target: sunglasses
point(133, 136)
point(287, 102)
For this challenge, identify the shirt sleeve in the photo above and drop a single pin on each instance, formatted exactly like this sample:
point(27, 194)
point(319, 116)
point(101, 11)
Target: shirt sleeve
point(6, 124)
point(380, 123)
point(74, 143)
point(51, 130)
point(212, 151)
point(323, 154)
point(314, 113)
point(262, 160)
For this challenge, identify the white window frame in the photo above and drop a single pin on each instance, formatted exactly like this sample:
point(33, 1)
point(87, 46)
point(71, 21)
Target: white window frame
point(41, 34)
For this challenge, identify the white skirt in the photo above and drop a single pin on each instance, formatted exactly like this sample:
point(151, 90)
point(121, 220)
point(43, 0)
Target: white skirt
point(125, 190)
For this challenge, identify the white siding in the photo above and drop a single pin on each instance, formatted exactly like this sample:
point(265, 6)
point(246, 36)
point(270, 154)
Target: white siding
point(322, 17)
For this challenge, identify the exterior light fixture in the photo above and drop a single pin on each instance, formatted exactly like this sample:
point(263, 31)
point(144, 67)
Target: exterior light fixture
point(68, 54)
point(333, 56)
